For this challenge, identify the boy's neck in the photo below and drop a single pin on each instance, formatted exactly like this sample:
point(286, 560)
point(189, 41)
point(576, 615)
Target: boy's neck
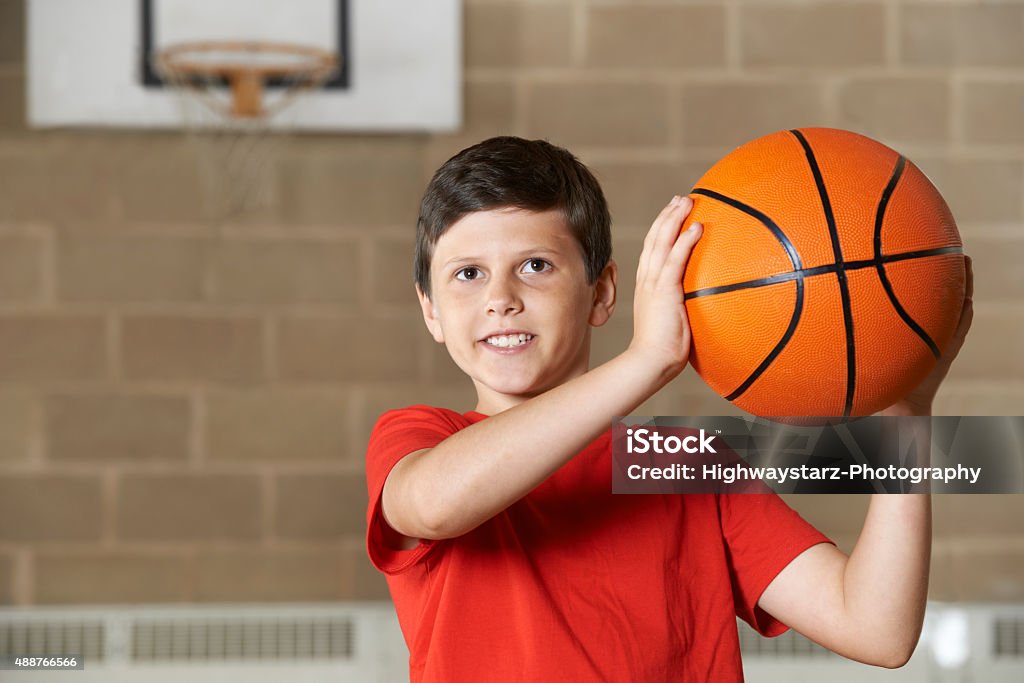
point(490, 402)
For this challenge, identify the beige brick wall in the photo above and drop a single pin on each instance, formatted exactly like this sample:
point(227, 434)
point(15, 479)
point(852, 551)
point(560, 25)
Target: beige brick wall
point(183, 411)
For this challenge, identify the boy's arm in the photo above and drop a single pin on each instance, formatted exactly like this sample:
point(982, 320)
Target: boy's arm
point(476, 473)
point(870, 606)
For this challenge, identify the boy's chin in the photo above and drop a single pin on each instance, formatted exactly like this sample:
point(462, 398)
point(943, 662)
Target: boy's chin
point(510, 389)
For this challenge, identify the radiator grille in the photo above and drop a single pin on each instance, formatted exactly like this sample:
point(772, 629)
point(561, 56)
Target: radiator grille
point(1008, 639)
point(789, 644)
point(251, 639)
point(55, 638)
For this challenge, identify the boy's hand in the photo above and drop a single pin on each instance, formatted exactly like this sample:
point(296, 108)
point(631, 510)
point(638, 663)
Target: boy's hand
point(661, 332)
point(919, 401)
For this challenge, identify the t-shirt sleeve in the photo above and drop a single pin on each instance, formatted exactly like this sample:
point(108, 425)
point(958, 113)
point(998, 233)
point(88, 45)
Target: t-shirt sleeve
point(397, 434)
point(762, 536)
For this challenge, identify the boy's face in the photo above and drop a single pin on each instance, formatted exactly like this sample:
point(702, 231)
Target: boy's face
point(511, 302)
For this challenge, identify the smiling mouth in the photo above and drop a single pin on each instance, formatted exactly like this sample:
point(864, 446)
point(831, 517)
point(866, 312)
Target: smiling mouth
point(508, 340)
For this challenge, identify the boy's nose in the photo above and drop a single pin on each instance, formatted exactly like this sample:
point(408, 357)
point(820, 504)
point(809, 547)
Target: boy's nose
point(502, 298)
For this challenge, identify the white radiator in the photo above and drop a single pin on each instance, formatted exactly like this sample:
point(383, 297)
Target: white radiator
point(361, 642)
point(250, 644)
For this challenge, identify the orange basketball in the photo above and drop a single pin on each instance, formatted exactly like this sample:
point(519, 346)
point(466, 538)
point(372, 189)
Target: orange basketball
point(829, 277)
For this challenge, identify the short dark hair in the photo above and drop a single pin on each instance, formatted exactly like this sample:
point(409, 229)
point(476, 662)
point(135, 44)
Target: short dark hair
point(512, 172)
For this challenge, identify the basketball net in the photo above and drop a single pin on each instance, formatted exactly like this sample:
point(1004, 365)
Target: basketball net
point(227, 108)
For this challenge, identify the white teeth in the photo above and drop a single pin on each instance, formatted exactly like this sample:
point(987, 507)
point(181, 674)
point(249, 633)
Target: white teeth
point(506, 340)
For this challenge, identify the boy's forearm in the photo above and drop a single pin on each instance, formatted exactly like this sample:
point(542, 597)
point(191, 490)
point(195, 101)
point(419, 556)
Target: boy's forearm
point(886, 579)
point(481, 470)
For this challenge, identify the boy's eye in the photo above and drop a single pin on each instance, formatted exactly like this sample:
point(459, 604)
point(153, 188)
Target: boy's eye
point(536, 265)
point(467, 273)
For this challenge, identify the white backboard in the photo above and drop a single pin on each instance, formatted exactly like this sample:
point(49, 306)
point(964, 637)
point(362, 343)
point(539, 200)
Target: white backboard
point(402, 59)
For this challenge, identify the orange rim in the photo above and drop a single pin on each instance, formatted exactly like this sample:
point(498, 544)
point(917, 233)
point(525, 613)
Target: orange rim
point(317, 62)
point(246, 78)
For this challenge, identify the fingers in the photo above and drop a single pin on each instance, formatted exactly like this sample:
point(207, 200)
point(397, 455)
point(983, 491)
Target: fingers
point(668, 226)
point(969, 267)
point(963, 325)
point(662, 236)
point(675, 266)
point(967, 312)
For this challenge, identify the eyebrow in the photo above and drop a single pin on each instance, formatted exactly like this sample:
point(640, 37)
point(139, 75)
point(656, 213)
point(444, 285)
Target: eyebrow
point(522, 253)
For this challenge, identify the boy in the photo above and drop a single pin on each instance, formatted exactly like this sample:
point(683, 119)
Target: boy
point(507, 556)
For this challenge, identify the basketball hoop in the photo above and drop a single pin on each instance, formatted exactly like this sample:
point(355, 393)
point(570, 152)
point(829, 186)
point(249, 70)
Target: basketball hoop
point(229, 92)
point(246, 67)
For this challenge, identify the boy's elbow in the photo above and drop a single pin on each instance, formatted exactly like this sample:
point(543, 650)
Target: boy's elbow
point(413, 508)
point(432, 526)
point(885, 651)
point(898, 656)
point(896, 661)
point(435, 522)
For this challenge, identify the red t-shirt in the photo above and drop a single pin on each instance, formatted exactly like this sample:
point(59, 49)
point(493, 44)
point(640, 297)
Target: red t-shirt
point(573, 583)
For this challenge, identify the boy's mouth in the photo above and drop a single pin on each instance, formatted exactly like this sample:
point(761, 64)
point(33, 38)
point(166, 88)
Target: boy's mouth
point(509, 340)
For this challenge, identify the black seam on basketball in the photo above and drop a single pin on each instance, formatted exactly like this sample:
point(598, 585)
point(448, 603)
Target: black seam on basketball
point(883, 204)
point(844, 288)
point(821, 270)
point(749, 284)
point(799, 274)
point(921, 253)
point(793, 322)
point(794, 257)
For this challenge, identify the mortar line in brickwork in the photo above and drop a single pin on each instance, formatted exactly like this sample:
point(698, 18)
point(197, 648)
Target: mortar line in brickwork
point(145, 548)
point(986, 152)
point(580, 19)
point(269, 328)
point(154, 469)
point(285, 545)
point(23, 581)
point(311, 233)
point(971, 543)
point(43, 469)
point(1020, 195)
point(38, 443)
point(830, 88)
point(1012, 308)
point(207, 276)
point(48, 269)
point(353, 544)
point(607, 155)
point(114, 350)
point(268, 491)
point(424, 361)
point(521, 107)
point(733, 44)
point(647, 75)
point(356, 417)
point(981, 386)
point(190, 555)
point(108, 507)
point(675, 123)
point(956, 106)
point(364, 274)
point(203, 310)
point(197, 428)
point(891, 33)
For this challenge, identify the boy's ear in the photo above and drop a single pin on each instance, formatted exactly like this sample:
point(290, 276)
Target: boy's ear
point(430, 316)
point(604, 295)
